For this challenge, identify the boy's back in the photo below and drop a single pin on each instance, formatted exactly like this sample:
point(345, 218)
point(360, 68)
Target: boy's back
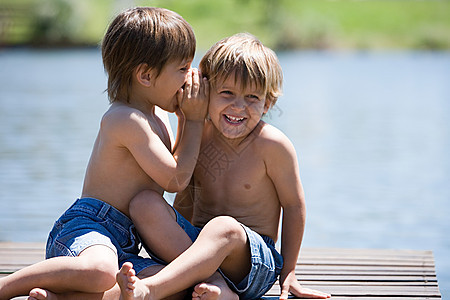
point(113, 174)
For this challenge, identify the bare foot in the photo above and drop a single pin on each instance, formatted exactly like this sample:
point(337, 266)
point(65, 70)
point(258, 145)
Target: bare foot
point(208, 291)
point(204, 291)
point(41, 294)
point(131, 287)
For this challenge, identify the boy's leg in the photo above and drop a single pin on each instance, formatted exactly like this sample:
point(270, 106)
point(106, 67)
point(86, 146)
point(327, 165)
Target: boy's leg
point(93, 271)
point(222, 243)
point(157, 225)
point(112, 294)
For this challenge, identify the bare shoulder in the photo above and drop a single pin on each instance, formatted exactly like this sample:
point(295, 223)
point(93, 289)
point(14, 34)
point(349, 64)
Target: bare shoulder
point(274, 141)
point(118, 113)
point(281, 163)
point(120, 118)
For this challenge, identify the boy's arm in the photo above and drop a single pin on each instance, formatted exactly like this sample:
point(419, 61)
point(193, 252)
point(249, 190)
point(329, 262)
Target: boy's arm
point(184, 201)
point(193, 108)
point(164, 116)
point(171, 171)
point(282, 167)
point(180, 126)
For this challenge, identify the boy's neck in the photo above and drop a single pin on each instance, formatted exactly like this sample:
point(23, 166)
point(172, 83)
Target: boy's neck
point(139, 99)
point(146, 108)
point(238, 142)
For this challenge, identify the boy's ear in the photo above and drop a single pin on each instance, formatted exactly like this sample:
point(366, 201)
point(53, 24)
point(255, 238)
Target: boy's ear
point(267, 105)
point(144, 75)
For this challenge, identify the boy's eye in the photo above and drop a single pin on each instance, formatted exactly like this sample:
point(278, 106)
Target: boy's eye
point(253, 97)
point(185, 68)
point(226, 92)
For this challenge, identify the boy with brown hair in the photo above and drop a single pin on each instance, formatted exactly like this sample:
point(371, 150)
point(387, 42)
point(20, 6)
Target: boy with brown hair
point(147, 54)
point(246, 175)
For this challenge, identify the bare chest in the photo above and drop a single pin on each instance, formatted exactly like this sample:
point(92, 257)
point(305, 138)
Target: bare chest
point(239, 188)
point(218, 166)
point(230, 181)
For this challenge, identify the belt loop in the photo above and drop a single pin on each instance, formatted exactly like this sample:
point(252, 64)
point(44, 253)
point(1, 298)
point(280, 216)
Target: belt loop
point(134, 233)
point(103, 211)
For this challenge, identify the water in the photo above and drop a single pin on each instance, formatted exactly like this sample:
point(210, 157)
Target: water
point(372, 132)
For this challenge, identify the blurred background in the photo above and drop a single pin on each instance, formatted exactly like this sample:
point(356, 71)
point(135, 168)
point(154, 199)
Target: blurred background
point(280, 24)
point(366, 103)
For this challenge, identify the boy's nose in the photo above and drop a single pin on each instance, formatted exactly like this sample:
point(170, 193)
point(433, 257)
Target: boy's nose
point(238, 103)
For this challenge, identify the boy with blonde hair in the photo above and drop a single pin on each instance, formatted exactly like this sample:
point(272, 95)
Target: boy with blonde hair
point(147, 54)
point(246, 175)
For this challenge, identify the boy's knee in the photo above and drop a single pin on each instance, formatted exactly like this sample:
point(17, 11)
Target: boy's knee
point(147, 201)
point(101, 273)
point(106, 277)
point(225, 223)
point(227, 227)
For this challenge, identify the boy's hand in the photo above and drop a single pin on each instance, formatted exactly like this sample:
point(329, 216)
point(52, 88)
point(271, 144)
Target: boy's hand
point(193, 99)
point(289, 283)
point(179, 114)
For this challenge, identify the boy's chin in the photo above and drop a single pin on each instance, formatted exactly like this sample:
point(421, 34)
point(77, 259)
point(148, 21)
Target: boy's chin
point(170, 109)
point(233, 135)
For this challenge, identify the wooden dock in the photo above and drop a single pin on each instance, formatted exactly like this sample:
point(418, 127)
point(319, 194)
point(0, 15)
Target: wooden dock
point(362, 274)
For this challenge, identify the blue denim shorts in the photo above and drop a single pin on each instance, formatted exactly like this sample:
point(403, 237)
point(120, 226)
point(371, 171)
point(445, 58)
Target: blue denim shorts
point(266, 262)
point(90, 222)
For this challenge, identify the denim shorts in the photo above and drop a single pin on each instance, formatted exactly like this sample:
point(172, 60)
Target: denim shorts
point(266, 262)
point(90, 222)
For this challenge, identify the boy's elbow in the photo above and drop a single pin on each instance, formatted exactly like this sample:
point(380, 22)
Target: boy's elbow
point(173, 189)
point(177, 186)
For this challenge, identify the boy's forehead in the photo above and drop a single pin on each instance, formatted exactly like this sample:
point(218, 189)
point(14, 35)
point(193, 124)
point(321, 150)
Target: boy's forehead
point(186, 61)
point(174, 64)
point(235, 81)
point(181, 61)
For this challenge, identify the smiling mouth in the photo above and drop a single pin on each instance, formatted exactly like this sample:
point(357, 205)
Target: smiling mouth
point(234, 120)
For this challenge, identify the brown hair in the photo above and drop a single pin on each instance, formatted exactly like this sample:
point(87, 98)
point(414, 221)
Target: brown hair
point(149, 35)
point(248, 59)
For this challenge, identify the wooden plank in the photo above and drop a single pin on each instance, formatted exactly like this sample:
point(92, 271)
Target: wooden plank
point(345, 262)
point(368, 273)
point(360, 253)
point(369, 278)
point(362, 274)
point(405, 272)
point(365, 283)
point(268, 297)
point(385, 291)
point(361, 268)
point(366, 251)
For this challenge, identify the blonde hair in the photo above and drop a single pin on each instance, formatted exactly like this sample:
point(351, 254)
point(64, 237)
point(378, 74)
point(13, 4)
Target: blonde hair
point(143, 35)
point(245, 57)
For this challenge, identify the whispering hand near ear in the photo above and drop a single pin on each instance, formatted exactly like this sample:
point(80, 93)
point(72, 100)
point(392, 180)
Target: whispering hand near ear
point(193, 99)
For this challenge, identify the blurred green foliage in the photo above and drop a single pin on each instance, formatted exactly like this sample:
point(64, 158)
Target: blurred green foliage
point(281, 24)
